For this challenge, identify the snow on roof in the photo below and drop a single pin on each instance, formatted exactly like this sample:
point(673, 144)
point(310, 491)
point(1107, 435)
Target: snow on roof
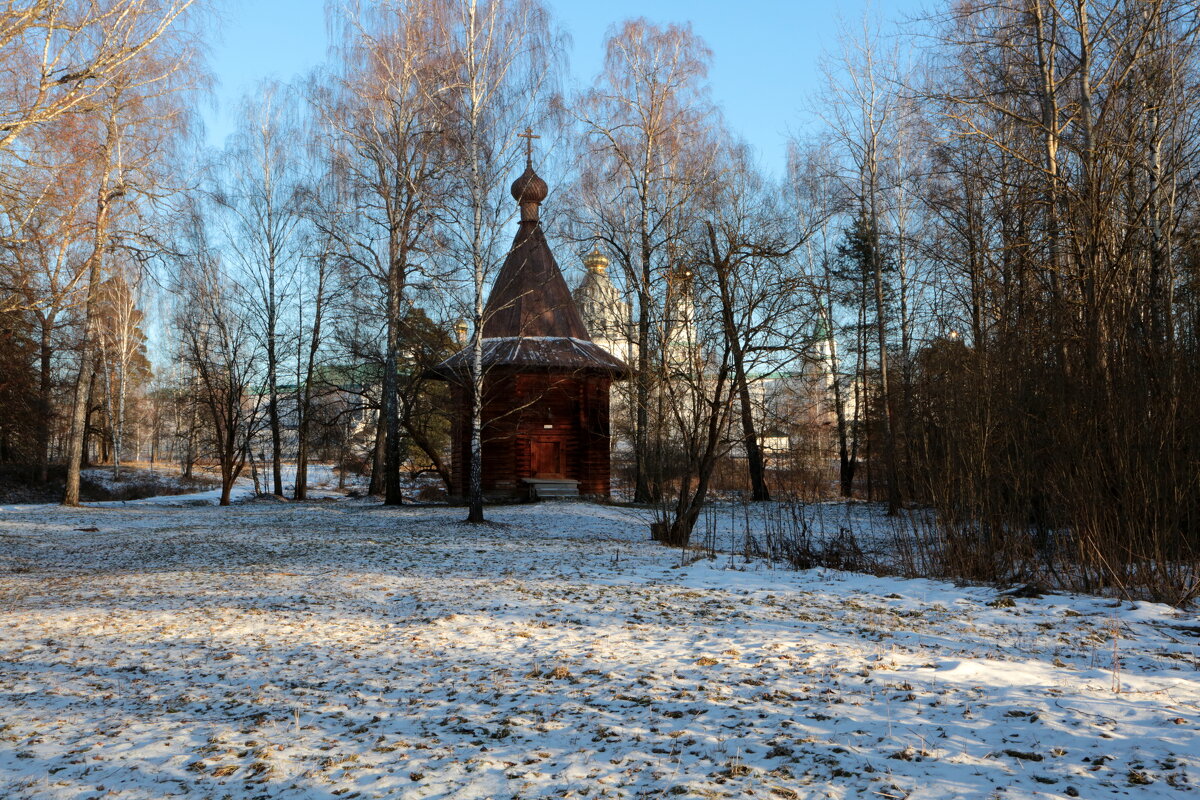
point(539, 353)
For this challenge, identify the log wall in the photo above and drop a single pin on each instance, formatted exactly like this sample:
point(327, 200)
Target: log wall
point(523, 408)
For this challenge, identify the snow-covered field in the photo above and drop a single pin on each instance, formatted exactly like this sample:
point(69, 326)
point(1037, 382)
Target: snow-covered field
point(322, 484)
point(340, 649)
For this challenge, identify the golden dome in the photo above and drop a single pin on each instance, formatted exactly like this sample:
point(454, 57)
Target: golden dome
point(596, 261)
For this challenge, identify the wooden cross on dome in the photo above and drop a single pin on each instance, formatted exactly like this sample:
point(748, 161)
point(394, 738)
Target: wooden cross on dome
point(528, 136)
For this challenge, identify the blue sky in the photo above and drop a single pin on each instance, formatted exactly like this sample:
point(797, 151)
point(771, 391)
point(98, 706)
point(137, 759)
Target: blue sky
point(765, 66)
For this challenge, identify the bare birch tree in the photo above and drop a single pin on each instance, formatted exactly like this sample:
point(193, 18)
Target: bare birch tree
point(646, 111)
point(45, 269)
point(505, 57)
point(750, 243)
point(219, 346)
point(135, 120)
point(258, 190)
point(123, 364)
point(59, 56)
point(861, 114)
point(388, 140)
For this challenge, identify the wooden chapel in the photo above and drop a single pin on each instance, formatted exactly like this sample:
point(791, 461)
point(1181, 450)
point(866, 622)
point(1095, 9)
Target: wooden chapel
point(546, 384)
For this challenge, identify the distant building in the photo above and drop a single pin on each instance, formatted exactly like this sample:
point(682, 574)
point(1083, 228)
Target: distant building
point(794, 410)
point(607, 317)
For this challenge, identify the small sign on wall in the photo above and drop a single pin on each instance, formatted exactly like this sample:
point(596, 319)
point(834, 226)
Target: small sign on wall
point(547, 427)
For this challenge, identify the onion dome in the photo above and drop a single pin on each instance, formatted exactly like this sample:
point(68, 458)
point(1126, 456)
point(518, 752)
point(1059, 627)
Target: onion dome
point(596, 261)
point(531, 321)
point(529, 191)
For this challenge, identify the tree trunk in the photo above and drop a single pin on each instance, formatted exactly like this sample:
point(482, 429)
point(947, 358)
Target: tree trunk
point(305, 409)
point(1048, 102)
point(475, 466)
point(375, 487)
point(79, 415)
point(847, 460)
point(273, 415)
point(392, 495)
point(435, 457)
point(189, 456)
point(300, 490)
point(77, 442)
point(755, 464)
point(691, 502)
point(45, 398)
point(119, 422)
point(254, 472)
point(643, 491)
point(889, 434)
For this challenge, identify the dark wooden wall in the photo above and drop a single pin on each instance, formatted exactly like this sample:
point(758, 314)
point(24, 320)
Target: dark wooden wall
point(516, 410)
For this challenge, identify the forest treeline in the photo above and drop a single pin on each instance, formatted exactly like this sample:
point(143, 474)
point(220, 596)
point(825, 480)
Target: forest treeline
point(983, 256)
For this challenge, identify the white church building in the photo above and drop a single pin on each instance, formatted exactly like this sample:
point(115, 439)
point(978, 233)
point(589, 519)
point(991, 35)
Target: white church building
point(799, 399)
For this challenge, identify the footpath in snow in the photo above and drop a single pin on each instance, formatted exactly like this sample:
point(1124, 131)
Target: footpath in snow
point(344, 650)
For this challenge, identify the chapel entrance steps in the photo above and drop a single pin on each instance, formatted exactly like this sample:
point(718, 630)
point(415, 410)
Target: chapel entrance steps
point(552, 488)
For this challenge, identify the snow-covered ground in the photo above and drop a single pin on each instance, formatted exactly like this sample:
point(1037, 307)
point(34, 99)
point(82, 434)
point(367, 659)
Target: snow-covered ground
point(344, 650)
point(322, 479)
point(322, 484)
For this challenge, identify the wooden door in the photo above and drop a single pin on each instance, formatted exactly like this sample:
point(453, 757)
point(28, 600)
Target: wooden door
point(546, 458)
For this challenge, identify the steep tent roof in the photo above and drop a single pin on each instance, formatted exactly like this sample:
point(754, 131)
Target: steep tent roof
point(530, 296)
point(530, 319)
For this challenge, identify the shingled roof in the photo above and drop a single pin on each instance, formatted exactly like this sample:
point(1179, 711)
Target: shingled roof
point(530, 320)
